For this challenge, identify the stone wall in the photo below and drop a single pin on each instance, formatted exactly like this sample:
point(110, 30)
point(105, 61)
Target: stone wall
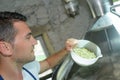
point(51, 16)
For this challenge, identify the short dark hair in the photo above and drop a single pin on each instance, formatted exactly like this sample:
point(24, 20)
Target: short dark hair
point(7, 31)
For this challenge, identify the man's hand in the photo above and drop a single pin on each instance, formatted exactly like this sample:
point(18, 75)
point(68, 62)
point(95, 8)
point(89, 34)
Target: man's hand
point(70, 43)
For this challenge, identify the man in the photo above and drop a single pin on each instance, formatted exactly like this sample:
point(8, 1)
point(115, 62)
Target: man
point(17, 60)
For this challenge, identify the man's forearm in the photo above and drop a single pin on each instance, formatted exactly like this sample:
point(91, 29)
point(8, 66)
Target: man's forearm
point(56, 58)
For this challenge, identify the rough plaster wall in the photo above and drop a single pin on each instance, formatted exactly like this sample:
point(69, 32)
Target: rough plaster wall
point(70, 27)
point(52, 13)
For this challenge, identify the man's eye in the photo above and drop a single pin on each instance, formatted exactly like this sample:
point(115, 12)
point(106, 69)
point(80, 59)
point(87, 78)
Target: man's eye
point(28, 37)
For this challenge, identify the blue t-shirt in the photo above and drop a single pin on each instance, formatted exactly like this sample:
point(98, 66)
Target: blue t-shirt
point(1, 78)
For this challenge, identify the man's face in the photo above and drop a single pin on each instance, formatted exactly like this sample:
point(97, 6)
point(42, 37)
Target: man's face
point(23, 44)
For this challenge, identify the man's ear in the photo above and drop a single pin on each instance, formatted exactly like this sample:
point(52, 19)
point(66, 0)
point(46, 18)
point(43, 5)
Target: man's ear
point(5, 48)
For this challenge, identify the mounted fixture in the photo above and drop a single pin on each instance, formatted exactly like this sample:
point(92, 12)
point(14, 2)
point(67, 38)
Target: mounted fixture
point(72, 7)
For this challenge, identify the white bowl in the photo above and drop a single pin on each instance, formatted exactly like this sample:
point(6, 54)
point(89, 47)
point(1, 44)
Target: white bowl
point(90, 46)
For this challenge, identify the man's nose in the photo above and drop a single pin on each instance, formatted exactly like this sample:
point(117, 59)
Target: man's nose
point(34, 41)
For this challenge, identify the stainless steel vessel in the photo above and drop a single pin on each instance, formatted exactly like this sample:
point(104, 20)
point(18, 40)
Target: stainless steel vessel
point(99, 7)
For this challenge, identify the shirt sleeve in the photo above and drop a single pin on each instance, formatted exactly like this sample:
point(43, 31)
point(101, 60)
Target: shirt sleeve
point(33, 67)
